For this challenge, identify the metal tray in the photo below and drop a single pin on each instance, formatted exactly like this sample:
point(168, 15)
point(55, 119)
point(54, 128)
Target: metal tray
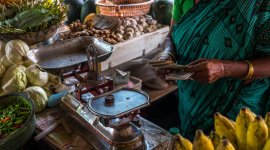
point(126, 101)
point(65, 56)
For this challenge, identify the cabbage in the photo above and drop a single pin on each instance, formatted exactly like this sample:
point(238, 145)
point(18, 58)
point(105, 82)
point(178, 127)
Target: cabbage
point(36, 77)
point(38, 96)
point(2, 70)
point(5, 61)
point(16, 51)
point(14, 80)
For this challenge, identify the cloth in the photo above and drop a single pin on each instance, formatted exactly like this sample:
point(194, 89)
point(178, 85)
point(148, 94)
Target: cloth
point(180, 7)
point(225, 30)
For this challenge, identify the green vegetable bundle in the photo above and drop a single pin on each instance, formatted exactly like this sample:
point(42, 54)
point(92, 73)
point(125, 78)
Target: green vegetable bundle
point(32, 16)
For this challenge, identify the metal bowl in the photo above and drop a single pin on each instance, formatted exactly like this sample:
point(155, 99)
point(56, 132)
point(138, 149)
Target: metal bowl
point(65, 56)
point(19, 137)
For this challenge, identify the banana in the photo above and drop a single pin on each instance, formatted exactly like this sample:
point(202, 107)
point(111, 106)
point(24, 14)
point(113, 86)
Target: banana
point(185, 144)
point(267, 120)
point(214, 138)
point(225, 128)
point(267, 145)
point(202, 142)
point(244, 118)
point(257, 134)
point(225, 144)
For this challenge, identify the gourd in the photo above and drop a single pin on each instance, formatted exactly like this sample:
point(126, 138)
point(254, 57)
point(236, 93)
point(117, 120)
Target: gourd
point(16, 51)
point(39, 97)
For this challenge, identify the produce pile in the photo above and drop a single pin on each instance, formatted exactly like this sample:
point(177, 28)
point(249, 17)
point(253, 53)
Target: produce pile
point(12, 117)
point(22, 16)
point(127, 29)
point(18, 74)
point(249, 132)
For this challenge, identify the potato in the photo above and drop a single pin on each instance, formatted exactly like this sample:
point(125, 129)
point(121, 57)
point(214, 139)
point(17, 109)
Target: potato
point(140, 28)
point(136, 34)
point(132, 21)
point(131, 30)
point(151, 22)
point(119, 36)
point(120, 32)
point(126, 23)
point(144, 24)
point(128, 36)
point(134, 27)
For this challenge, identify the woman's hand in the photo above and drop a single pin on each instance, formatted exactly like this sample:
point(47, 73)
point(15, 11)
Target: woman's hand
point(206, 70)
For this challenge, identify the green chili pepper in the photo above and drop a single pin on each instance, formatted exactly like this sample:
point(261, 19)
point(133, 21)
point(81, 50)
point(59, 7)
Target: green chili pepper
point(18, 121)
point(24, 113)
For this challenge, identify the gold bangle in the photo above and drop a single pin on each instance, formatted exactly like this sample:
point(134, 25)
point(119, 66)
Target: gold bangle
point(250, 70)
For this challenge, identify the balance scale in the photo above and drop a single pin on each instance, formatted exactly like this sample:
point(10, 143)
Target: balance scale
point(109, 119)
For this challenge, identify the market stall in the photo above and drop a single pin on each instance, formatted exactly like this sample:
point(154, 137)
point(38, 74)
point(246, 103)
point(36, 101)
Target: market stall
point(56, 66)
point(80, 81)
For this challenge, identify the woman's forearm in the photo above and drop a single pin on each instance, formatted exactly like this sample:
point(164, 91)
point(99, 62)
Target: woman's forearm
point(168, 46)
point(240, 69)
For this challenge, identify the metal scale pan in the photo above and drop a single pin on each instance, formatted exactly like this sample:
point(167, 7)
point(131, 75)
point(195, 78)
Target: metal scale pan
point(67, 55)
point(126, 100)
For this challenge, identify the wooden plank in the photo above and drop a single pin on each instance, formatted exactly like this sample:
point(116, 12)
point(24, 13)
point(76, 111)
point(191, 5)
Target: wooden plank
point(135, 48)
point(157, 94)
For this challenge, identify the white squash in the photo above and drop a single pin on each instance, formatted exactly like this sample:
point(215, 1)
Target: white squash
point(39, 97)
point(16, 51)
point(36, 77)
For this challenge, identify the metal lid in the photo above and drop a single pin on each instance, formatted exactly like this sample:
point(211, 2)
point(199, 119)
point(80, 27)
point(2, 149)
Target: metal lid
point(125, 101)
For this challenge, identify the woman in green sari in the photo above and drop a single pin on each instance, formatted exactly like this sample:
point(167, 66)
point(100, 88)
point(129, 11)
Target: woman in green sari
point(226, 44)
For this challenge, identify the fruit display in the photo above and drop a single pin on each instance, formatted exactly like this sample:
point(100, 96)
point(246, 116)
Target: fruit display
point(127, 29)
point(249, 132)
point(18, 74)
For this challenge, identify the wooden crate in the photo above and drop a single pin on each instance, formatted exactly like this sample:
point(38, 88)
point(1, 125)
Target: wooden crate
point(135, 48)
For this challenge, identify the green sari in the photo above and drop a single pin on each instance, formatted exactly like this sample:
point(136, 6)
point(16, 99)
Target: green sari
point(225, 30)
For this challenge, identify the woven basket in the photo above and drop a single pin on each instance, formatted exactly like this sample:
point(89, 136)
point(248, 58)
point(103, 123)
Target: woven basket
point(124, 8)
point(18, 138)
point(31, 38)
